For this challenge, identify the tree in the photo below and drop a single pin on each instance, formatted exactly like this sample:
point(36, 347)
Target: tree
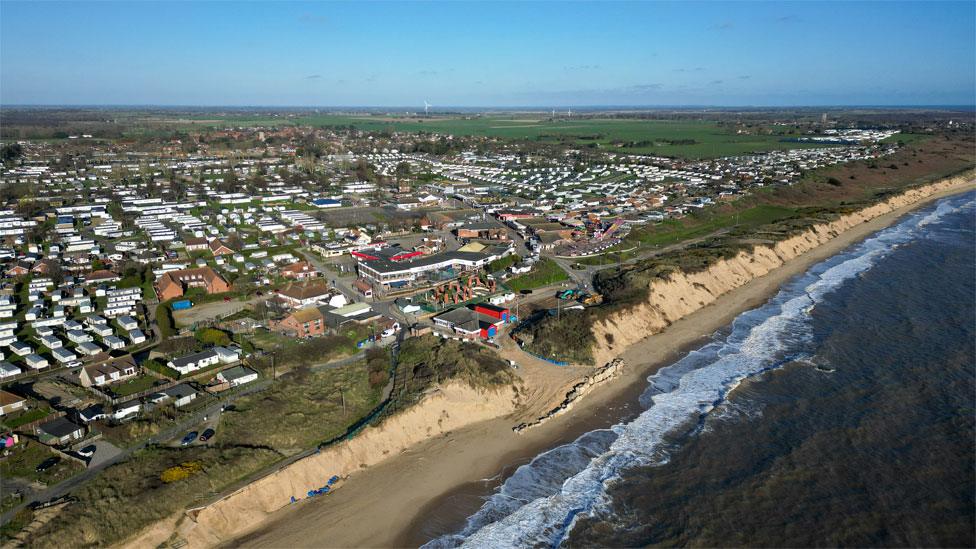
point(212, 336)
point(403, 169)
point(11, 152)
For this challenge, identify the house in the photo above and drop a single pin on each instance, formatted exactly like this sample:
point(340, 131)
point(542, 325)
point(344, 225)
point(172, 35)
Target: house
point(217, 248)
point(173, 284)
point(304, 322)
point(194, 361)
point(307, 292)
point(236, 376)
point(108, 371)
point(59, 432)
point(300, 270)
point(196, 244)
point(101, 276)
point(181, 395)
point(20, 268)
point(10, 403)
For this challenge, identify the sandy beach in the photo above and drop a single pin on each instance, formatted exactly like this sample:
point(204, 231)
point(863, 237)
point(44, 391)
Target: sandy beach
point(430, 487)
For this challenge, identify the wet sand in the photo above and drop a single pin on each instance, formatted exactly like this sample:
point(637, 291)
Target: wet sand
point(429, 489)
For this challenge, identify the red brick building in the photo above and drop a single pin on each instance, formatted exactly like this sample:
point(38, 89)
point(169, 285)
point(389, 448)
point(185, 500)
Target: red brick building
point(174, 283)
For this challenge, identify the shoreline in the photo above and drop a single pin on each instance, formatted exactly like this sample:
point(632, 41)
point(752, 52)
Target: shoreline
point(439, 478)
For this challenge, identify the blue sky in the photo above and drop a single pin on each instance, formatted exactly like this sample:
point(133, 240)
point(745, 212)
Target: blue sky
point(488, 54)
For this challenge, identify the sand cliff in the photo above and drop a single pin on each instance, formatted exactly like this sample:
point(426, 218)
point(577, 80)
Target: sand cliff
point(681, 294)
point(456, 406)
point(444, 409)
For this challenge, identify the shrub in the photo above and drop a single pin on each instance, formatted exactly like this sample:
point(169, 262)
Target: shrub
point(180, 472)
point(212, 336)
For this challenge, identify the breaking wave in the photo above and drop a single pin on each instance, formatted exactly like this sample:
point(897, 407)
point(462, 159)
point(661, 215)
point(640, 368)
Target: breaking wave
point(542, 500)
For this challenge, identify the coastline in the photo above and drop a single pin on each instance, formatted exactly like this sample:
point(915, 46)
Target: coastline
point(391, 504)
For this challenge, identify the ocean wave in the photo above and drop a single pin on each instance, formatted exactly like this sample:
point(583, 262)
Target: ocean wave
point(540, 503)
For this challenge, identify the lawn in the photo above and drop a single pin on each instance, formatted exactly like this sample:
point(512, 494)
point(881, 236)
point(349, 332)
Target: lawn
point(543, 273)
point(25, 458)
point(134, 385)
point(25, 417)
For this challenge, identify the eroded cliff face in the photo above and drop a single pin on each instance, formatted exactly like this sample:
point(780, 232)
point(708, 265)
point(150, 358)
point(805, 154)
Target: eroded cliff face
point(445, 409)
point(681, 294)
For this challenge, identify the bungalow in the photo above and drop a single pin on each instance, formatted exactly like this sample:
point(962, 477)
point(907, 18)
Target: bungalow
point(108, 371)
point(181, 395)
point(194, 361)
point(10, 403)
point(196, 244)
point(299, 271)
point(92, 413)
point(59, 432)
point(236, 376)
point(299, 294)
point(101, 276)
point(126, 409)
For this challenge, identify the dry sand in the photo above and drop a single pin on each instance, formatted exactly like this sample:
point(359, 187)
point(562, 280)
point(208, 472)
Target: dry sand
point(388, 504)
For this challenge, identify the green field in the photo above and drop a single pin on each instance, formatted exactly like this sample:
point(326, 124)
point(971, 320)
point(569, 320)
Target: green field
point(543, 273)
point(691, 139)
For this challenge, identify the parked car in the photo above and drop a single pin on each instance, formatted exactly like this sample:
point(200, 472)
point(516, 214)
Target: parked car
point(189, 438)
point(73, 364)
point(87, 451)
point(47, 464)
point(206, 435)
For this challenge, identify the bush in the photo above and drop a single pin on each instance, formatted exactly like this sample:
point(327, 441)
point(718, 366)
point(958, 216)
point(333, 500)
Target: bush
point(213, 336)
point(157, 366)
point(164, 318)
point(180, 472)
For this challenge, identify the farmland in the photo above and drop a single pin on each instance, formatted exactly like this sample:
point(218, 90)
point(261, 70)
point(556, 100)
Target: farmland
point(685, 138)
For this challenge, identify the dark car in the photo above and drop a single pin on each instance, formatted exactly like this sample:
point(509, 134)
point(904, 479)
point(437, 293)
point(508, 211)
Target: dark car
point(47, 464)
point(205, 436)
point(189, 438)
point(87, 451)
point(525, 292)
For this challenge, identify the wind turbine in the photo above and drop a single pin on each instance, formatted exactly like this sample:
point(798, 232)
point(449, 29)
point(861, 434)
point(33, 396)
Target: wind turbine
point(426, 108)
